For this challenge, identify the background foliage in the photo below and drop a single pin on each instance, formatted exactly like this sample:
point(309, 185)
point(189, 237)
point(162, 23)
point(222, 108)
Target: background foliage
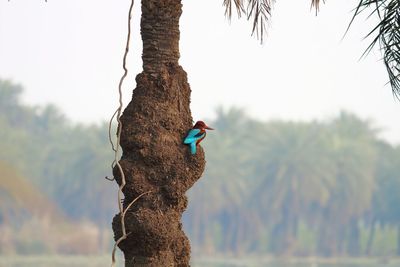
point(325, 188)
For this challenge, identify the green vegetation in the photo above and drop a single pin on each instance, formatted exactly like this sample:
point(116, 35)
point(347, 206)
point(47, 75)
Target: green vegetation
point(326, 188)
point(295, 188)
point(63, 163)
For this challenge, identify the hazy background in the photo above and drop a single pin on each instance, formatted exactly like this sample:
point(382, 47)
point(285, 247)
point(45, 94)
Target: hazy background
point(296, 138)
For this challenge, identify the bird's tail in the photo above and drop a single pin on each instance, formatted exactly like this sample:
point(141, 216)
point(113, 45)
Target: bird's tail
point(193, 148)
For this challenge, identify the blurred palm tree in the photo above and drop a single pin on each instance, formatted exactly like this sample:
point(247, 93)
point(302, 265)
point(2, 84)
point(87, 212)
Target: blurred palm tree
point(298, 173)
point(354, 154)
point(384, 207)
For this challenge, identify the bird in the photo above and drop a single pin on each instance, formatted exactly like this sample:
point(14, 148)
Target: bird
point(196, 135)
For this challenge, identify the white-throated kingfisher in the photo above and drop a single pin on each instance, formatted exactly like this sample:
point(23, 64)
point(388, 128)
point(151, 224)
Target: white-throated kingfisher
point(196, 135)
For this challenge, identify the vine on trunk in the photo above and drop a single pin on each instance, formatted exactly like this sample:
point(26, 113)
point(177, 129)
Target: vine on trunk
point(115, 148)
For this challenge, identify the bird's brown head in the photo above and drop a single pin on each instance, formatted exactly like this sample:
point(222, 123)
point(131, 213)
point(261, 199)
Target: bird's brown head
point(201, 125)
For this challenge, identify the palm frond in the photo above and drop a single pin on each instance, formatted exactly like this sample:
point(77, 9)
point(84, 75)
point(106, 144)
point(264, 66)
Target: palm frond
point(315, 4)
point(386, 34)
point(228, 7)
point(259, 11)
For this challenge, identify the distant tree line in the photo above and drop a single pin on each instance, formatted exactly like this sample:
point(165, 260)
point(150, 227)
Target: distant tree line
point(63, 159)
point(297, 188)
point(325, 188)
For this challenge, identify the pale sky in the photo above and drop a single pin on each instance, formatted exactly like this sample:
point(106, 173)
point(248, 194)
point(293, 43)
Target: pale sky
point(69, 53)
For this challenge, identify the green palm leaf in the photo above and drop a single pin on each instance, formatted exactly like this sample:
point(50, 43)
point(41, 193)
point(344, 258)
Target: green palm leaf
point(387, 36)
point(259, 11)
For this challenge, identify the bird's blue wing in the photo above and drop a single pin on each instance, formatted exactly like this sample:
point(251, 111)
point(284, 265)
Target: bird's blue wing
point(193, 136)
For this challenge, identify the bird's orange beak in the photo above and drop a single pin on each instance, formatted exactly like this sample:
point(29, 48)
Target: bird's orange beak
point(208, 128)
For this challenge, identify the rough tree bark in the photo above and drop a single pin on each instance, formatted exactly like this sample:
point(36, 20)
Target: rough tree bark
point(154, 158)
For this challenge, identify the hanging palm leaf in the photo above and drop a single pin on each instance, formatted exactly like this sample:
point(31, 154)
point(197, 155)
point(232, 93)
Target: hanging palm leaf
point(259, 11)
point(387, 34)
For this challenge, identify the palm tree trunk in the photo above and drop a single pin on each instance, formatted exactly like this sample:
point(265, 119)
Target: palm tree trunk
point(154, 158)
point(371, 237)
point(160, 34)
point(354, 238)
point(398, 240)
